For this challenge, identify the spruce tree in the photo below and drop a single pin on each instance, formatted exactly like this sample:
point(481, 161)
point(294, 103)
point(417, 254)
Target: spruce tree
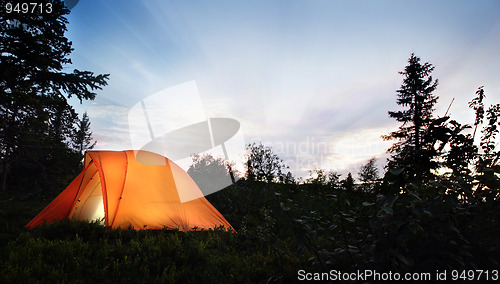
point(348, 182)
point(413, 153)
point(82, 136)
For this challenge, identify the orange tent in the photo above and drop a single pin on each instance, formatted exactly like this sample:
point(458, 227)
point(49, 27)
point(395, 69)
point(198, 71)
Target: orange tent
point(133, 188)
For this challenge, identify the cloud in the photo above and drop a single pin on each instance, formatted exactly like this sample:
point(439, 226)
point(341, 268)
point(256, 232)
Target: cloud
point(109, 126)
point(341, 151)
point(288, 73)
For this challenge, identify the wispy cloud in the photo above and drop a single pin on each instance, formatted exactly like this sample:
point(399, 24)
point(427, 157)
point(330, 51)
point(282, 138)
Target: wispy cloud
point(286, 70)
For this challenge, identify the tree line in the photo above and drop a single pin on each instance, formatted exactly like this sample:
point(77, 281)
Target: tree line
point(428, 149)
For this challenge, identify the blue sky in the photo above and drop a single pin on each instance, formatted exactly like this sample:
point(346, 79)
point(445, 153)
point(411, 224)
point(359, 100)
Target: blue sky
point(312, 79)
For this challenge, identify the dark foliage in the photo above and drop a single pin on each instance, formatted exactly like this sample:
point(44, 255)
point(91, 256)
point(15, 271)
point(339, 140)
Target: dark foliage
point(264, 165)
point(211, 174)
point(37, 122)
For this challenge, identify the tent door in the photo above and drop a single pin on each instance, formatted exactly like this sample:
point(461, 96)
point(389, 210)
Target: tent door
point(90, 206)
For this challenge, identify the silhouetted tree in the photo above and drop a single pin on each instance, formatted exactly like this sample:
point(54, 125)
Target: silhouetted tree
point(473, 170)
point(262, 164)
point(82, 136)
point(211, 174)
point(317, 177)
point(459, 159)
point(322, 177)
point(368, 175)
point(414, 151)
point(34, 111)
point(333, 180)
point(478, 106)
point(348, 182)
point(288, 178)
point(488, 163)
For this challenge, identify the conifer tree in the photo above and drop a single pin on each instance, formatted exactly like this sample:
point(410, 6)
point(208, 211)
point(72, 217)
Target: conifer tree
point(348, 182)
point(36, 118)
point(82, 136)
point(413, 152)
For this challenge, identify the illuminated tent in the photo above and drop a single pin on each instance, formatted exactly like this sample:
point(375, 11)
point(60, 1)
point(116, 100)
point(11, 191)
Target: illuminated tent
point(133, 188)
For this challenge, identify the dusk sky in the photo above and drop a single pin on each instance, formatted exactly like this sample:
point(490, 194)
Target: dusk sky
point(312, 79)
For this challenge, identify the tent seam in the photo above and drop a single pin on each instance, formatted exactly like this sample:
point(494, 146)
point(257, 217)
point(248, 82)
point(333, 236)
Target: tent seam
point(123, 187)
point(79, 187)
point(103, 187)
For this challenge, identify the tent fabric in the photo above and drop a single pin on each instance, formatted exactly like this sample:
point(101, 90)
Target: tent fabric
point(136, 189)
